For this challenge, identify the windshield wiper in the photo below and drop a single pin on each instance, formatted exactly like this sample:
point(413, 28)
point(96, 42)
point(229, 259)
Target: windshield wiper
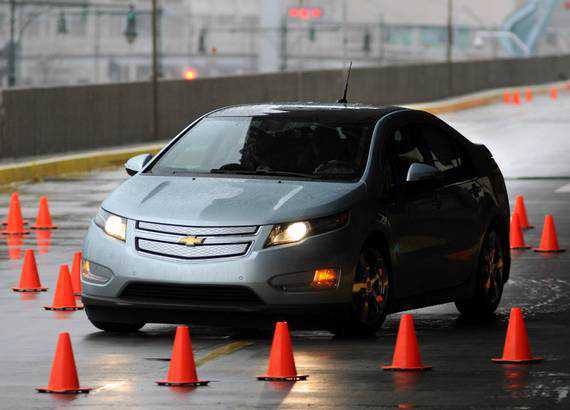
point(263, 172)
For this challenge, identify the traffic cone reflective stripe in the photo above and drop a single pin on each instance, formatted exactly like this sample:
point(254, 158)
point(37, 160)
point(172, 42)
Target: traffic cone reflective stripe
point(43, 220)
point(517, 237)
point(549, 240)
point(182, 369)
point(517, 347)
point(520, 209)
point(15, 222)
point(76, 274)
point(407, 353)
point(29, 278)
point(63, 377)
point(64, 298)
point(281, 360)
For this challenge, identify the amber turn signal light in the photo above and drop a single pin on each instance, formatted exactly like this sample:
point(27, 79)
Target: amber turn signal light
point(326, 278)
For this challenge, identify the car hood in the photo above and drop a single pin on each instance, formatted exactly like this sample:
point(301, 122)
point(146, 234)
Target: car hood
point(211, 201)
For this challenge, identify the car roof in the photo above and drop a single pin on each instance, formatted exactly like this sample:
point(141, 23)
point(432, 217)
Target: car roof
point(338, 112)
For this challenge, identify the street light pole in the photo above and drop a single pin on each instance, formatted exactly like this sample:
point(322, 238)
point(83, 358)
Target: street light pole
point(12, 46)
point(154, 75)
point(449, 31)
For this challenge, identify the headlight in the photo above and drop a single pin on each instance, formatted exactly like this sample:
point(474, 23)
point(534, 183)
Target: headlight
point(113, 225)
point(297, 231)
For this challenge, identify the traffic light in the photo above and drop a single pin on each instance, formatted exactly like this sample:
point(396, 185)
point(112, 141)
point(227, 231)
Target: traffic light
point(306, 13)
point(131, 26)
point(61, 23)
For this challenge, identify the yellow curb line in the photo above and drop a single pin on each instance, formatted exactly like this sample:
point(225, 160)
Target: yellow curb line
point(70, 164)
point(222, 351)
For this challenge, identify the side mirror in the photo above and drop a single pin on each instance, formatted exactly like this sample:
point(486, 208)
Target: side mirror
point(422, 172)
point(136, 164)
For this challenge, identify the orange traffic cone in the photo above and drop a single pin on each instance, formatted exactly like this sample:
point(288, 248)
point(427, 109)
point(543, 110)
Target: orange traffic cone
point(182, 369)
point(63, 378)
point(407, 353)
point(63, 298)
point(507, 97)
point(549, 240)
point(517, 348)
point(554, 93)
point(281, 361)
point(517, 237)
point(43, 220)
point(528, 95)
point(14, 208)
point(15, 222)
point(29, 278)
point(76, 274)
point(517, 98)
point(520, 209)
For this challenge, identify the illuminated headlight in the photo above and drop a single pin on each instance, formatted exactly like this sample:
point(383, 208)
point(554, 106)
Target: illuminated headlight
point(282, 234)
point(113, 225)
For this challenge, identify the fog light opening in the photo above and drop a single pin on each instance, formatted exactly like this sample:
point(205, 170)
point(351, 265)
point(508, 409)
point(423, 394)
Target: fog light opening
point(326, 278)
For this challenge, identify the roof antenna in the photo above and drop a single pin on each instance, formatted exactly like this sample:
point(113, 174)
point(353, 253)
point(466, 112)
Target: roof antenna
point(343, 99)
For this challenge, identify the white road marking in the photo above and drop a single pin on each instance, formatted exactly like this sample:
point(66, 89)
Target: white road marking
point(562, 189)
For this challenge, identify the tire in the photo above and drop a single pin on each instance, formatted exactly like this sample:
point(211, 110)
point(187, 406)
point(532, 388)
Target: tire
point(370, 294)
point(117, 327)
point(490, 279)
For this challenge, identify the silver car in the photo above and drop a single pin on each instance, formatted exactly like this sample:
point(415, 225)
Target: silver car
point(329, 216)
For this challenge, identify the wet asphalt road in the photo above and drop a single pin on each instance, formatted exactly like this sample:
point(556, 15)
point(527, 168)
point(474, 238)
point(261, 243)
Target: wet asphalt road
point(343, 373)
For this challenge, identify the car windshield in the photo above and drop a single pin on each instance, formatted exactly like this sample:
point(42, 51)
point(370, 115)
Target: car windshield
point(270, 146)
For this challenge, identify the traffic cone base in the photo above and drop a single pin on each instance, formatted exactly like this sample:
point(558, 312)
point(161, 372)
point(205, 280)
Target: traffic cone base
point(407, 369)
point(187, 384)
point(23, 232)
point(63, 308)
point(44, 228)
point(533, 360)
point(31, 290)
point(282, 379)
point(549, 250)
point(83, 390)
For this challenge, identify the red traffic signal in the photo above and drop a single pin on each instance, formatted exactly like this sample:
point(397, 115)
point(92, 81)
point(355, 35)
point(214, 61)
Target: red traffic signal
point(306, 13)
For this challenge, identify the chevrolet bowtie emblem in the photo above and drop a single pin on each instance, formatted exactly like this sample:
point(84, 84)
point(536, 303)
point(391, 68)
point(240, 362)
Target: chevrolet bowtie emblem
point(191, 240)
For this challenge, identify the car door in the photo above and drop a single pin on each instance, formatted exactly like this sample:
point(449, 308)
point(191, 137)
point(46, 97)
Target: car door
point(459, 198)
point(412, 211)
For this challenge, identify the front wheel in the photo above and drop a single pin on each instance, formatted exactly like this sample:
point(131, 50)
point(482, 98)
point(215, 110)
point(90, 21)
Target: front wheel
point(370, 293)
point(490, 279)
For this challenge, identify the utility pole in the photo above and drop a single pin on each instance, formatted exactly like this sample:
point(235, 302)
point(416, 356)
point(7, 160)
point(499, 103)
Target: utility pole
point(449, 31)
point(154, 75)
point(12, 46)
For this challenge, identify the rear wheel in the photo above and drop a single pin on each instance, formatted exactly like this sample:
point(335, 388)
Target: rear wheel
point(370, 293)
point(490, 279)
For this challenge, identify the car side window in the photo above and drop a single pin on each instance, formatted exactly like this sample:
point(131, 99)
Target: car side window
point(406, 147)
point(445, 153)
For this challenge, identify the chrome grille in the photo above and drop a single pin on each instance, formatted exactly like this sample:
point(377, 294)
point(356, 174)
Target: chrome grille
point(163, 240)
point(191, 252)
point(197, 230)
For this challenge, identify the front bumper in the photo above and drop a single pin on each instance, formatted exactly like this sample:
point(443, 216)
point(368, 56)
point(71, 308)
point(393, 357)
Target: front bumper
point(254, 270)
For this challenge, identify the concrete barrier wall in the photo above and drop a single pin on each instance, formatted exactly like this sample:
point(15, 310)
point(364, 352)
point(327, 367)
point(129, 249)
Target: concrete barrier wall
point(44, 121)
